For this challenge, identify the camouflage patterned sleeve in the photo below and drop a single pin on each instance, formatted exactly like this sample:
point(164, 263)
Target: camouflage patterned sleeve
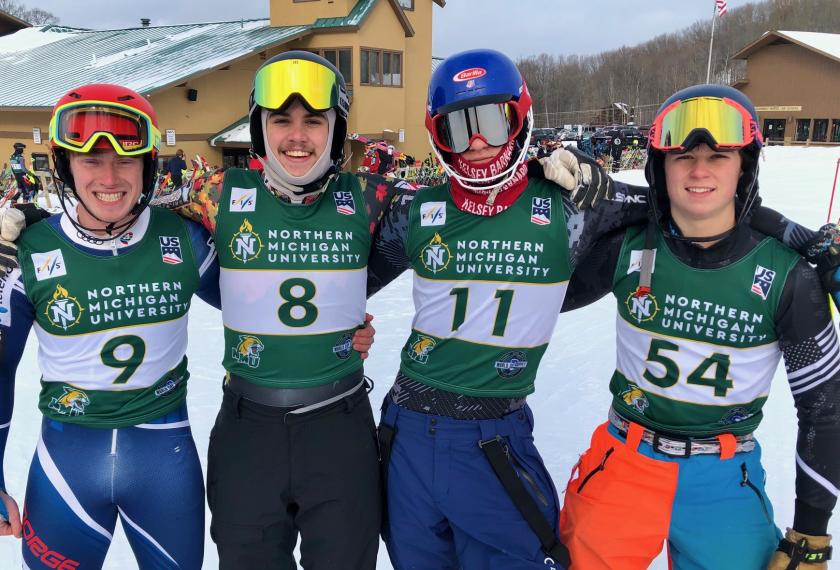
point(197, 200)
point(379, 194)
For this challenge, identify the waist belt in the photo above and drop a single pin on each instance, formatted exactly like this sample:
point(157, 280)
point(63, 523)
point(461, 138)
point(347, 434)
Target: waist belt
point(681, 447)
point(302, 399)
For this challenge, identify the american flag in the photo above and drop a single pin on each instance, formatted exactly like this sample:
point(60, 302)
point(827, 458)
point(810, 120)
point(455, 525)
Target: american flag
point(721, 7)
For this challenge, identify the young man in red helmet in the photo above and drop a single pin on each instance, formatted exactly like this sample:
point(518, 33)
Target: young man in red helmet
point(111, 301)
point(107, 286)
point(707, 306)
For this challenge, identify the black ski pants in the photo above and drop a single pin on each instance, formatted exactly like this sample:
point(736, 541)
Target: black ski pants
point(272, 475)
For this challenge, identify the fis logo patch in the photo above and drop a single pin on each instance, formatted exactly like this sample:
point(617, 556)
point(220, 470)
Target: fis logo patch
point(63, 311)
point(541, 211)
point(248, 351)
point(433, 214)
point(641, 306)
point(246, 245)
point(636, 261)
point(243, 199)
point(436, 255)
point(170, 249)
point(344, 203)
point(762, 281)
point(72, 403)
point(126, 238)
point(419, 350)
point(344, 346)
point(49, 265)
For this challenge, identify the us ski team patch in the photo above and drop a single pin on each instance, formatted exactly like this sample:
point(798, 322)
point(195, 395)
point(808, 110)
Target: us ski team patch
point(541, 211)
point(344, 203)
point(762, 281)
point(170, 249)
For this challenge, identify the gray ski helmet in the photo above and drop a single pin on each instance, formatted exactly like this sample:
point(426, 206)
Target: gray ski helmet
point(747, 190)
point(338, 98)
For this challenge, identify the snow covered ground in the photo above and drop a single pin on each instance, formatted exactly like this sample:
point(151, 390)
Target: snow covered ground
point(571, 397)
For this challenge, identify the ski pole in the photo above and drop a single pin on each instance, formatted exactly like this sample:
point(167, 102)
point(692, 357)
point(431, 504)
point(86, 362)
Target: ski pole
point(833, 188)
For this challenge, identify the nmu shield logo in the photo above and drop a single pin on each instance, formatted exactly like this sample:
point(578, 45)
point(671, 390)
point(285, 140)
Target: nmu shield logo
point(642, 306)
point(246, 245)
point(436, 255)
point(63, 311)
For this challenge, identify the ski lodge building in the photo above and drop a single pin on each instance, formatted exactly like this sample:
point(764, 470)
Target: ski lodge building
point(198, 76)
point(793, 78)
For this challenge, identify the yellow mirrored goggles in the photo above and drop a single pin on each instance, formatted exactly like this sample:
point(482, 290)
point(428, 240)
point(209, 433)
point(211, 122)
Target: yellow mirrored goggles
point(83, 126)
point(684, 123)
point(318, 85)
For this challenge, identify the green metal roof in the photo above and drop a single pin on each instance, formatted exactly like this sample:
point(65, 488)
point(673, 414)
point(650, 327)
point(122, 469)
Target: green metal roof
point(42, 63)
point(354, 18)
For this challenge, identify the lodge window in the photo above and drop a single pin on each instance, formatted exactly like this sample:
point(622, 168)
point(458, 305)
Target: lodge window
point(820, 130)
point(407, 4)
point(803, 129)
point(341, 58)
point(380, 67)
point(835, 130)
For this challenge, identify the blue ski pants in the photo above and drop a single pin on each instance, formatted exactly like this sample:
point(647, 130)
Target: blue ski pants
point(447, 508)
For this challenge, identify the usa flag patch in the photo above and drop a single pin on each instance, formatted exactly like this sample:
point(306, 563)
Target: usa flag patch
point(541, 211)
point(170, 249)
point(344, 203)
point(762, 281)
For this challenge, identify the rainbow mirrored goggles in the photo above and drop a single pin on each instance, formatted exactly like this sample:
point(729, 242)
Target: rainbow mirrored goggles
point(318, 85)
point(722, 123)
point(85, 125)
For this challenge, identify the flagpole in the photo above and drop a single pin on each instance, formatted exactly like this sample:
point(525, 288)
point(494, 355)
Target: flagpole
point(711, 42)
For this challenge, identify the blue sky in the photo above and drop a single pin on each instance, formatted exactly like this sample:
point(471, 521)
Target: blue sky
point(517, 27)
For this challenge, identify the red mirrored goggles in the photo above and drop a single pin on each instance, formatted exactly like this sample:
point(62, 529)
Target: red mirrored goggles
point(83, 126)
point(722, 123)
point(496, 123)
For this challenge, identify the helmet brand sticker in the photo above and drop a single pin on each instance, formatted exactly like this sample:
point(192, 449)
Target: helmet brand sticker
point(471, 73)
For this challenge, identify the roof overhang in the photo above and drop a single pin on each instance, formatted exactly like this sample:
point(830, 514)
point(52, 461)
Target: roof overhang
point(14, 20)
point(440, 3)
point(400, 13)
point(772, 37)
point(231, 135)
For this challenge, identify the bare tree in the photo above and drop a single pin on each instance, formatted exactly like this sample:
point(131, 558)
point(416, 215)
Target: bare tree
point(648, 73)
point(35, 16)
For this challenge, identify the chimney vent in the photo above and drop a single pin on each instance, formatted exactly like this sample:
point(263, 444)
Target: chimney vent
point(145, 22)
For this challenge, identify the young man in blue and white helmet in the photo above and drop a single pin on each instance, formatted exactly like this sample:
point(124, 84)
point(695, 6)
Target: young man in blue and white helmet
point(492, 251)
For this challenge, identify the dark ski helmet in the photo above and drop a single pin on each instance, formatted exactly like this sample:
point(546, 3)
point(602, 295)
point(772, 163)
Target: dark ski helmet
point(18, 146)
point(736, 128)
point(305, 76)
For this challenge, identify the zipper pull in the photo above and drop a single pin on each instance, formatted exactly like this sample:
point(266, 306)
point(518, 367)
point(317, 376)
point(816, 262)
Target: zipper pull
point(114, 246)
